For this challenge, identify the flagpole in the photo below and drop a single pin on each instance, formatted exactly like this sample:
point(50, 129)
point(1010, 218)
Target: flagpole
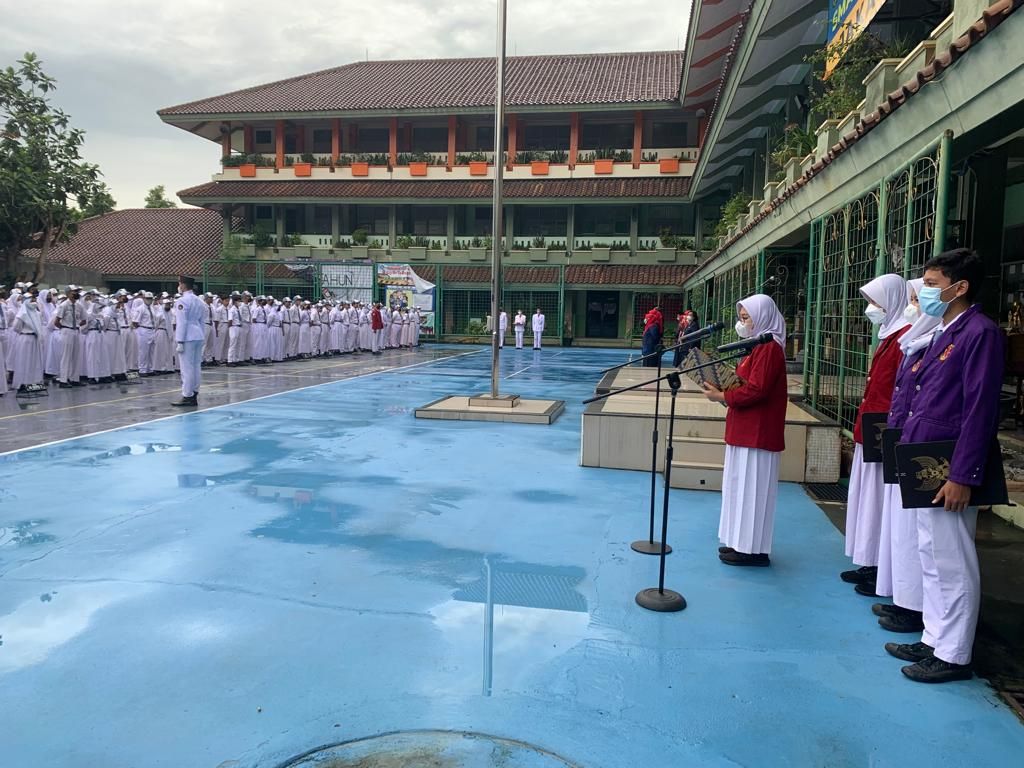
point(496, 218)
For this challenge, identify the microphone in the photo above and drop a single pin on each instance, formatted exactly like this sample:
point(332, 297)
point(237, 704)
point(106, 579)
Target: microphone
point(702, 333)
point(746, 344)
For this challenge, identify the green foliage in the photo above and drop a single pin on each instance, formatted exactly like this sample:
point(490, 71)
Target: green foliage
point(404, 241)
point(734, 207)
point(42, 173)
point(583, 246)
point(360, 236)
point(231, 250)
point(293, 239)
point(538, 242)
point(157, 198)
point(308, 157)
point(839, 94)
point(556, 245)
point(404, 158)
point(558, 156)
point(620, 245)
point(471, 157)
point(99, 203)
point(261, 238)
point(476, 328)
point(795, 142)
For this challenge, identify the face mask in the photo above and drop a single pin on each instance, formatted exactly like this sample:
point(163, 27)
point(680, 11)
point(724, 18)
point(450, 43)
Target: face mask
point(743, 330)
point(930, 299)
point(911, 313)
point(875, 314)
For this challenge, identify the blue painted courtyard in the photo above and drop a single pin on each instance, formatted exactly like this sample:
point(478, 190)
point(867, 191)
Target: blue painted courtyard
point(238, 586)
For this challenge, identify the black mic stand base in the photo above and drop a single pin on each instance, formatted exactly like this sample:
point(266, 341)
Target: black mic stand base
point(645, 547)
point(663, 601)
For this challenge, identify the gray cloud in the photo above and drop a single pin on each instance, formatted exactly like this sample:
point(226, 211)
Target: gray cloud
point(118, 61)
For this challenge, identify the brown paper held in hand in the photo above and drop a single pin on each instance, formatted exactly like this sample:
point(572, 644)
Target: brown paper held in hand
point(721, 376)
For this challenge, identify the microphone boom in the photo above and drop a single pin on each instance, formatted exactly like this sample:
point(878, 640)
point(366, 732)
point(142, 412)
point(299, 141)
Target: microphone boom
point(746, 344)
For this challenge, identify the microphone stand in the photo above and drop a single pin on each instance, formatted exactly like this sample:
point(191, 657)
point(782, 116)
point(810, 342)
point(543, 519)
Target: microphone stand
point(649, 546)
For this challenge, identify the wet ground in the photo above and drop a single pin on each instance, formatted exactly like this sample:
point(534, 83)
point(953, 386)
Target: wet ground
point(240, 586)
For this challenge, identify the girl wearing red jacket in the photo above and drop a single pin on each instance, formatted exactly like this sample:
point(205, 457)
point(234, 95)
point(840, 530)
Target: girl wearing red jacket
point(887, 299)
point(754, 428)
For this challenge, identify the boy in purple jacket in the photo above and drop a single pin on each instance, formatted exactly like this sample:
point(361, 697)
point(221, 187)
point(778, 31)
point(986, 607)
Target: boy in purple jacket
point(956, 397)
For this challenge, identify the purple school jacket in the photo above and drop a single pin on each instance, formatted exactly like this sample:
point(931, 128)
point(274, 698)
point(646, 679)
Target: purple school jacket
point(956, 393)
point(903, 391)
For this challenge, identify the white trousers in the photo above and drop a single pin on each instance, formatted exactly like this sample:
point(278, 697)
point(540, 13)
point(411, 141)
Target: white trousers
point(501, 339)
point(903, 570)
point(749, 487)
point(145, 342)
point(864, 510)
point(536, 339)
point(191, 371)
point(69, 362)
point(519, 337)
point(951, 581)
point(208, 346)
point(377, 341)
point(235, 342)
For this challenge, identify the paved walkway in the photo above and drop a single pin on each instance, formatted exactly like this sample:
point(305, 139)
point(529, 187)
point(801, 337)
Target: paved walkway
point(238, 586)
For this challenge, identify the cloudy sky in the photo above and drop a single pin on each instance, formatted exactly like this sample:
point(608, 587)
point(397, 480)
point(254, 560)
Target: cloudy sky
point(118, 61)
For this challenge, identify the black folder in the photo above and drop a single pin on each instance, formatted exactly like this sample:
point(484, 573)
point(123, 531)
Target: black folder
point(923, 468)
point(890, 437)
point(871, 426)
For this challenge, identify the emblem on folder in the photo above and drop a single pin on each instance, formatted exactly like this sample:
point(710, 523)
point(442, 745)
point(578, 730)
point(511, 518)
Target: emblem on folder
point(933, 472)
point(945, 353)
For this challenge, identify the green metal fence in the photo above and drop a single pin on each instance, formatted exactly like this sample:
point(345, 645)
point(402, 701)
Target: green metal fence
point(893, 227)
point(311, 280)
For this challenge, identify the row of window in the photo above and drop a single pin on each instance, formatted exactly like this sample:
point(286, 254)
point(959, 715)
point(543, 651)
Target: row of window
point(663, 133)
point(475, 221)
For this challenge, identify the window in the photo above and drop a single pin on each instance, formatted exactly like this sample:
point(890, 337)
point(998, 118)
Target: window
point(537, 221)
point(264, 212)
point(322, 140)
point(546, 137)
point(484, 138)
point(291, 143)
point(654, 218)
point(473, 221)
point(429, 139)
point(372, 218)
point(263, 136)
point(606, 135)
point(668, 134)
point(602, 221)
point(423, 220)
point(374, 139)
point(321, 220)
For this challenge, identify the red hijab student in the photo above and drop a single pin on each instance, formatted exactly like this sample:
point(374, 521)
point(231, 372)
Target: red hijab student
point(887, 298)
point(754, 429)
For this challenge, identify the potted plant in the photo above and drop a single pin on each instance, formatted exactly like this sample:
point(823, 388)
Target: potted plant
point(304, 165)
point(361, 165)
point(604, 161)
point(418, 248)
point(360, 245)
point(477, 164)
point(402, 245)
point(418, 163)
point(601, 253)
point(540, 164)
point(478, 248)
point(668, 243)
point(558, 157)
point(669, 165)
point(538, 249)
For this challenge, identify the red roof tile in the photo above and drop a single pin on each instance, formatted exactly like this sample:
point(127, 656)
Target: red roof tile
point(670, 187)
point(143, 242)
point(991, 18)
point(626, 274)
point(569, 80)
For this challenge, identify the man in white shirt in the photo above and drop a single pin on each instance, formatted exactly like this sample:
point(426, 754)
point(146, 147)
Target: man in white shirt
point(502, 327)
point(520, 328)
point(538, 328)
point(70, 318)
point(189, 338)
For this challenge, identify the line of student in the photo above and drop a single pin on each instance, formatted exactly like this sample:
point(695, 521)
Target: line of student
point(937, 372)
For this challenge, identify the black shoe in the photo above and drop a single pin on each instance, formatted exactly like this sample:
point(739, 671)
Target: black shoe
point(867, 589)
point(859, 576)
point(186, 402)
point(64, 385)
point(742, 558)
point(935, 670)
point(908, 622)
point(910, 651)
point(887, 609)
point(725, 550)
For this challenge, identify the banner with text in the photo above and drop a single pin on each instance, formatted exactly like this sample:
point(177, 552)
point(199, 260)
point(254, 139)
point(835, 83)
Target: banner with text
point(406, 289)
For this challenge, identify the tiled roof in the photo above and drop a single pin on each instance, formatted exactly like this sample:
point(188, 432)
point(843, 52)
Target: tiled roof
point(626, 274)
point(670, 186)
point(991, 18)
point(575, 274)
point(604, 78)
point(142, 242)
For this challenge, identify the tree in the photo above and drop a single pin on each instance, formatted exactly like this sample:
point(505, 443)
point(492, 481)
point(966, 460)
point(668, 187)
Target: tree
point(42, 173)
point(156, 198)
point(101, 203)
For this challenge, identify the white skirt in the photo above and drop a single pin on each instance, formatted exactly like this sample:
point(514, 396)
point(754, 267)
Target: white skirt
point(749, 488)
point(864, 510)
point(28, 360)
point(904, 553)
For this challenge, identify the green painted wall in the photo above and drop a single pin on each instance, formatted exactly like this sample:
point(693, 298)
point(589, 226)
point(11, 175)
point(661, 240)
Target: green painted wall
point(1013, 210)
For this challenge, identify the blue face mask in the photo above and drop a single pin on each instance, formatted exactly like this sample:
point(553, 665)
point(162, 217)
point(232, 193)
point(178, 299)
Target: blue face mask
point(930, 299)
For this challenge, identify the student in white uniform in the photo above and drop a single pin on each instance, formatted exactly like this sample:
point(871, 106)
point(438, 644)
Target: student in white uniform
point(112, 341)
point(163, 332)
point(502, 327)
point(520, 328)
point(245, 314)
point(417, 320)
point(27, 332)
point(70, 318)
point(260, 336)
point(189, 338)
point(208, 330)
point(538, 328)
point(275, 325)
point(144, 323)
point(235, 330)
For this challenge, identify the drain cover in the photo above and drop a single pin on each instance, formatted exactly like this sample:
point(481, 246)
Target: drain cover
point(827, 491)
point(429, 749)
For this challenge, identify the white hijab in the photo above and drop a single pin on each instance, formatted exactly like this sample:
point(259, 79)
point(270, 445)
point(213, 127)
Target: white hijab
point(28, 313)
point(765, 316)
point(920, 334)
point(890, 293)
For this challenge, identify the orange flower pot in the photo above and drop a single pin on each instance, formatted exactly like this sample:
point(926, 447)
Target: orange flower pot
point(247, 171)
point(417, 169)
point(360, 169)
point(603, 166)
point(669, 164)
point(540, 167)
point(303, 169)
point(477, 168)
